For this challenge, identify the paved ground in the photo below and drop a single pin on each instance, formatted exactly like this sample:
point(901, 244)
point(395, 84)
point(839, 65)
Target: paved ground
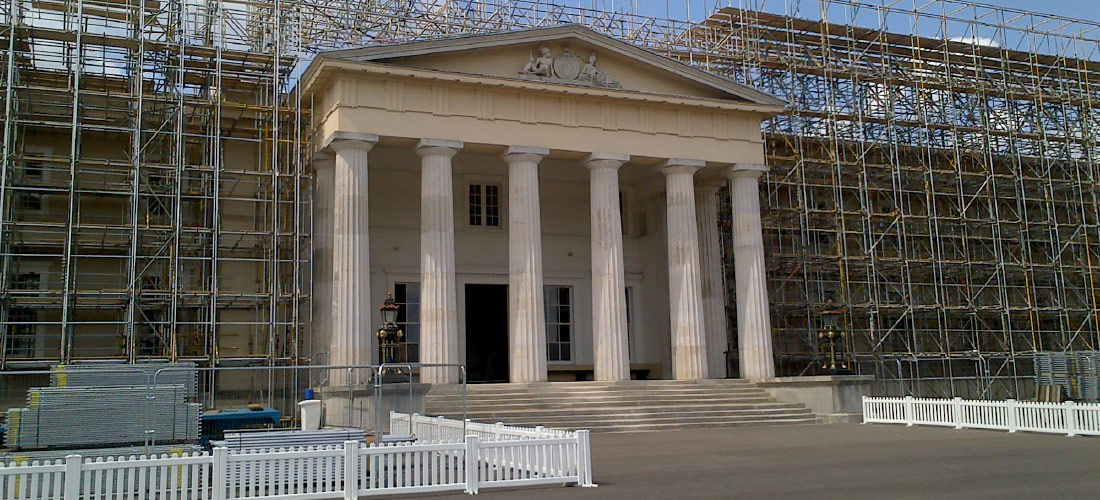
point(847, 461)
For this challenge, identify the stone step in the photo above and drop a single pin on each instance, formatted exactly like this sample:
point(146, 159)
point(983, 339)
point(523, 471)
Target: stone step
point(543, 418)
point(597, 426)
point(598, 396)
point(613, 413)
point(654, 427)
point(634, 406)
point(581, 386)
point(595, 390)
point(435, 408)
point(618, 406)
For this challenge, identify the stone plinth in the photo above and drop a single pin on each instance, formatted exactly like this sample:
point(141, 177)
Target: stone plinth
point(366, 410)
point(833, 398)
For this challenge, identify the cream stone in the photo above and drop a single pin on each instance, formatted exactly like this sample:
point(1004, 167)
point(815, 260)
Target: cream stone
point(754, 335)
point(533, 127)
point(608, 301)
point(526, 317)
point(351, 299)
point(689, 345)
point(714, 295)
point(438, 296)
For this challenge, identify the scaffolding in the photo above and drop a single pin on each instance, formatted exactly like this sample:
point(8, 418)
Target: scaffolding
point(933, 177)
point(152, 199)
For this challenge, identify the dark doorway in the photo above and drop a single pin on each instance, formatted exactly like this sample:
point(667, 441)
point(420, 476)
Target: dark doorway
point(487, 333)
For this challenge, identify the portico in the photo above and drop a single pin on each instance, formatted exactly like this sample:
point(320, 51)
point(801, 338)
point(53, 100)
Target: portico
point(584, 180)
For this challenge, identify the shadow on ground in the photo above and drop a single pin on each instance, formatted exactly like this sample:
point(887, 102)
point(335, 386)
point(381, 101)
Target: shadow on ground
point(846, 461)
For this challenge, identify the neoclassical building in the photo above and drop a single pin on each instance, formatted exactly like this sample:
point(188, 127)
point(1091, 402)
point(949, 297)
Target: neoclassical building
point(542, 203)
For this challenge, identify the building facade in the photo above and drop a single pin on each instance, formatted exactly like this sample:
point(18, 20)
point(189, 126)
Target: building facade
point(542, 203)
point(932, 181)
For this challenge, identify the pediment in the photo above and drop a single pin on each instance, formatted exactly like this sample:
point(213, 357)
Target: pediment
point(567, 55)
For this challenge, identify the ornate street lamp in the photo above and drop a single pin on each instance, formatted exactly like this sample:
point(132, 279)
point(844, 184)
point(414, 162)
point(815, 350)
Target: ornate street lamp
point(389, 339)
point(389, 336)
point(831, 333)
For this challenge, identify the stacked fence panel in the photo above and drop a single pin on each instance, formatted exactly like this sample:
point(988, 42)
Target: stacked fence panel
point(59, 417)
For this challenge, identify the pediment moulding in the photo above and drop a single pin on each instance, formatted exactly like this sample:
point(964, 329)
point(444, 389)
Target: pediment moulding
point(569, 54)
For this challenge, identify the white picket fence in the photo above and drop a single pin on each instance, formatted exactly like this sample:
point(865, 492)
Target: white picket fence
point(347, 471)
point(1067, 418)
point(445, 429)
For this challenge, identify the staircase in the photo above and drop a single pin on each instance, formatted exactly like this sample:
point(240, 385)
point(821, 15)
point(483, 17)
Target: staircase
point(636, 405)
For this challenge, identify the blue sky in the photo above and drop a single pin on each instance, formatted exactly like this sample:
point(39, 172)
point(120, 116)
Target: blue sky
point(1080, 9)
point(1086, 10)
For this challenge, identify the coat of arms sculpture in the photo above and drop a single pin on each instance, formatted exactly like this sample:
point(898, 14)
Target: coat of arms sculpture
point(566, 68)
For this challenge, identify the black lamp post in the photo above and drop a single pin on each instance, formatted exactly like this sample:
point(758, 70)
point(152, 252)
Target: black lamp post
point(831, 333)
point(389, 336)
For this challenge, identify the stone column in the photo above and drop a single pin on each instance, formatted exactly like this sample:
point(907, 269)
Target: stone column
point(689, 345)
point(351, 303)
point(438, 299)
point(710, 258)
point(612, 360)
point(526, 312)
point(324, 165)
point(754, 333)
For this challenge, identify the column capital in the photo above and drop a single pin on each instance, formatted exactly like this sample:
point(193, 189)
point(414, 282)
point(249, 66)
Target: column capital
point(346, 140)
point(738, 170)
point(524, 153)
point(438, 147)
point(604, 160)
point(323, 159)
point(680, 166)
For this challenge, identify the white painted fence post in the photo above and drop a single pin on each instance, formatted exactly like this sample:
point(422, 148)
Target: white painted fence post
point(472, 466)
point(909, 411)
point(1071, 418)
point(866, 407)
point(72, 477)
point(218, 480)
point(958, 407)
point(584, 459)
point(351, 470)
point(1010, 407)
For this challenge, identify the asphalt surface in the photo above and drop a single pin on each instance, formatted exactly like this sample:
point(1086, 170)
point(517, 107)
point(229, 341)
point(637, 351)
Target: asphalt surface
point(844, 461)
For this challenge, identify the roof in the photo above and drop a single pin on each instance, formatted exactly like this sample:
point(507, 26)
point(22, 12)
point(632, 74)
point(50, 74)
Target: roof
point(381, 53)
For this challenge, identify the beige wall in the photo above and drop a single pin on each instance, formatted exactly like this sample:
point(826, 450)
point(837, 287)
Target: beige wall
point(485, 111)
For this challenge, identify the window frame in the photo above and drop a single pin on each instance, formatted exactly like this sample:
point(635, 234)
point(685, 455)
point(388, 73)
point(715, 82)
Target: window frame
point(572, 324)
point(403, 314)
point(502, 201)
point(37, 347)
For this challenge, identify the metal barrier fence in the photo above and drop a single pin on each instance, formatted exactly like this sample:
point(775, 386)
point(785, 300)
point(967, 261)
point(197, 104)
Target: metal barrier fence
point(104, 411)
point(1067, 418)
point(347, 471)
